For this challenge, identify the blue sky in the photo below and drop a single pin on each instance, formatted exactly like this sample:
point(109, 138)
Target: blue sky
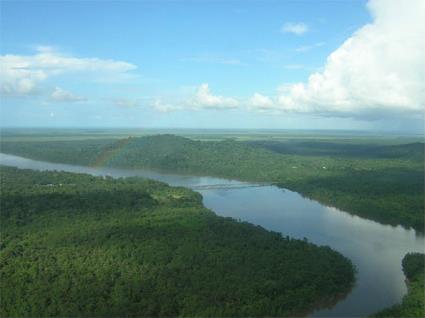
point(212, 64)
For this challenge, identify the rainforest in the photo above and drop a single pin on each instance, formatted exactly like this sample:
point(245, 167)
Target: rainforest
point(377, 181)
point(146, 247)
point(212, 158)
point(78, 245)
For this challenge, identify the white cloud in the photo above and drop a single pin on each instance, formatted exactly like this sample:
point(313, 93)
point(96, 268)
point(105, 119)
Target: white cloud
point(20, 75)
point(260, 102)
point(295, 28)
point(196, 98)
point(379, 70)
point(61, 95)
point(205, 99)
point(162, 107)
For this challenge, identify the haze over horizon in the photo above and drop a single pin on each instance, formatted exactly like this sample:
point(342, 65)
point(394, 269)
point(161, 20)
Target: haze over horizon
point(352, 65)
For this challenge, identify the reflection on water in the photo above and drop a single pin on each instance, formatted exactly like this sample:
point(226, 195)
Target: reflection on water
point(375, 249)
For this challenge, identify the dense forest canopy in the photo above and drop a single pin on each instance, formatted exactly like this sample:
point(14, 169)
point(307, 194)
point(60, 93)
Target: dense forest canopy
point(78, 245)
point(380, 182)
point(413, 304)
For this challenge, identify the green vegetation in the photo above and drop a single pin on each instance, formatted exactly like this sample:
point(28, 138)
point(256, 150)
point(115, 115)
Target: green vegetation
point(78, 245)
point(339, 136)
point(413, 304)
point(379, 181)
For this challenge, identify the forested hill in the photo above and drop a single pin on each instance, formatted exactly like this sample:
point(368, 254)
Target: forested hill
point(74, 245)
point(386, 185)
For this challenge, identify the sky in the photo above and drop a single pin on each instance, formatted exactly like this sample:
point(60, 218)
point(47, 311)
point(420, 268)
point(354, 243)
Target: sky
point(325, 64)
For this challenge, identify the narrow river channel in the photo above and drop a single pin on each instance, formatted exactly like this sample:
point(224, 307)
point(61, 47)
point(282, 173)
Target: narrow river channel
point(375, 249)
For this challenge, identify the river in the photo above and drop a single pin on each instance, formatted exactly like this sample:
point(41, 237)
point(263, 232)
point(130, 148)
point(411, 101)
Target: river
point(374, 248)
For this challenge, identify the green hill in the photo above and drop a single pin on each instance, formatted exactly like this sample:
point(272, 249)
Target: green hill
point(383, 183)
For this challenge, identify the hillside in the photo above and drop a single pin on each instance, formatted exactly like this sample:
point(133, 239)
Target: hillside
point(383, 183)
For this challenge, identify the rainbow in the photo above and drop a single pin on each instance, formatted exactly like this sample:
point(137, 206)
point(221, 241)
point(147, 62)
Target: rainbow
point(110, 153)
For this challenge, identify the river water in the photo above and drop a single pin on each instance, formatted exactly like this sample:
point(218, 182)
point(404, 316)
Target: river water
point(375, 249)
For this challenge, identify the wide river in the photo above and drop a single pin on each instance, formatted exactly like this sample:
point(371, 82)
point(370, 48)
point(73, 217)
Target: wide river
point(375, 249)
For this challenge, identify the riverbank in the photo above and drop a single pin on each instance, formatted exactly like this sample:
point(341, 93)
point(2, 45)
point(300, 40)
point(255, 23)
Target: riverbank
point(78, 245)
point(375, 249)
point(386, 185)
point(413, 304)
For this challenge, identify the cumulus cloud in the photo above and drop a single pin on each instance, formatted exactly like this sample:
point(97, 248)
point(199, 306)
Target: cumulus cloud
point(21, 75)
point(194, 99)
point(205, 99)
point(162, 107)
point(294, 28)
point(261, 102)
point(61, 95)
point(380, 69)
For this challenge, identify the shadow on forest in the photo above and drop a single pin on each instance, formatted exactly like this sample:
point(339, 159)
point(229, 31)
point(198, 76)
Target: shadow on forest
point(317, 148)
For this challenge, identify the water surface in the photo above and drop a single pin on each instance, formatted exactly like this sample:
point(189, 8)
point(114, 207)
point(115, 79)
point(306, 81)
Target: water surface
point(375, 249)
